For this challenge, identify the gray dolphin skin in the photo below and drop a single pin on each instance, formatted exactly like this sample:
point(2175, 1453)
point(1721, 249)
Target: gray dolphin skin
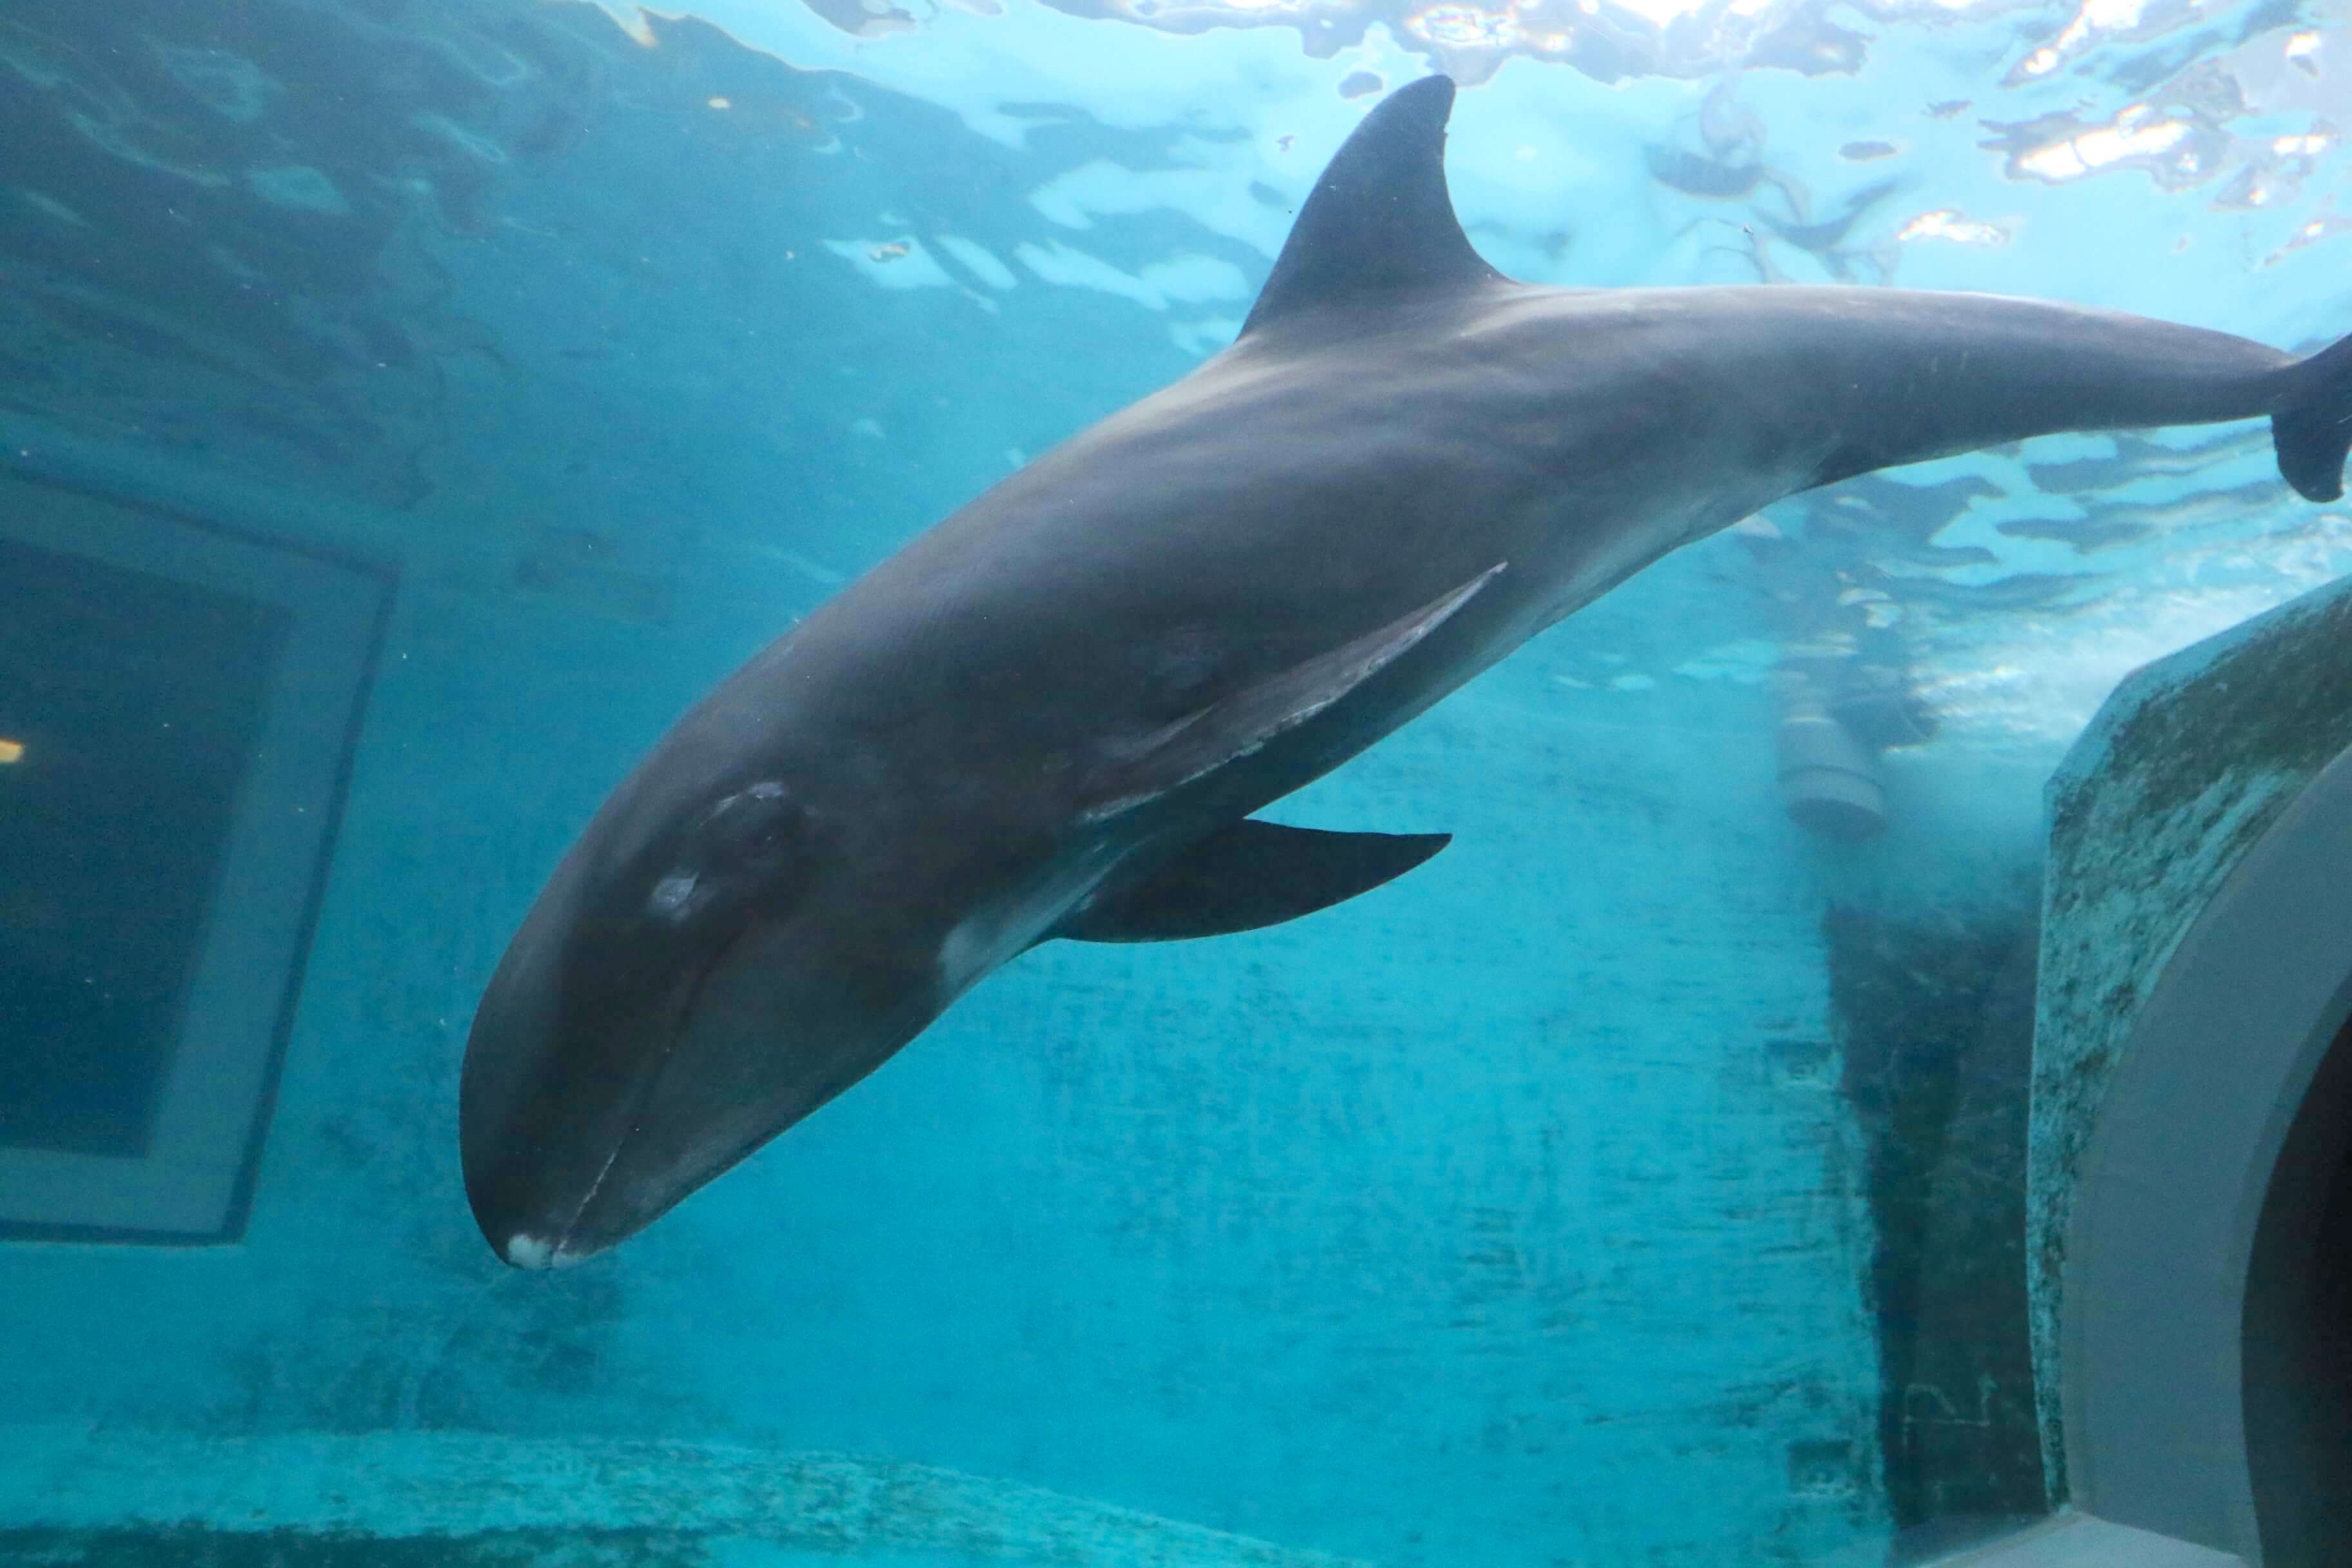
point(1054, 714)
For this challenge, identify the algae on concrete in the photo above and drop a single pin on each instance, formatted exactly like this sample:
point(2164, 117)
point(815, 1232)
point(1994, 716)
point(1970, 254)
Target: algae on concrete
point(2183, 768)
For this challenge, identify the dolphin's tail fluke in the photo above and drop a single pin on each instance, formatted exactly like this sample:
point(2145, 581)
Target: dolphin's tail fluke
point(2314, 431)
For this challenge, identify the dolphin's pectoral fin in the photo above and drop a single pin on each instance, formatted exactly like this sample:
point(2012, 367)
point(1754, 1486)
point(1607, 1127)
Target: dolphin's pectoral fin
point(1379, 223)
point(1202, 741)
point(1249, 875)
point(2313, 435)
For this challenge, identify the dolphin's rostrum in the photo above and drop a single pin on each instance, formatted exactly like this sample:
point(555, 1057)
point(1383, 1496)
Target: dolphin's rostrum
point(1054, 714)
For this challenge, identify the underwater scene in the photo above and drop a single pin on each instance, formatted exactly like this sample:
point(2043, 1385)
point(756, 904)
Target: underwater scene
point(1175, 783)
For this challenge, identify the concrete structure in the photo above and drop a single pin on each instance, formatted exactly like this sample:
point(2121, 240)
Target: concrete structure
point(2188, 1203)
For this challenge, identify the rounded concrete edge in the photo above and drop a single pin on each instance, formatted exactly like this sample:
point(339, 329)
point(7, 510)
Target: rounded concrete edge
point(2172, 1182)
point(2080, 1540)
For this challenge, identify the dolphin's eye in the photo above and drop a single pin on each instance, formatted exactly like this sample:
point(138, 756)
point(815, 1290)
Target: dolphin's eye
point(673, 893)
point(742, 853)
point(761, 823)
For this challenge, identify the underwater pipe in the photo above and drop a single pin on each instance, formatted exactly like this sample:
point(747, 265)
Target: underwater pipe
point(1842, 698)
point(1829, 777)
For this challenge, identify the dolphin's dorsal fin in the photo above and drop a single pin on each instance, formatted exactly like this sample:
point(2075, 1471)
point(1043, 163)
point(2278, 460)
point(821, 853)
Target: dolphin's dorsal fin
point(1379, 223)
point(1148, 766)
point(1246, 875)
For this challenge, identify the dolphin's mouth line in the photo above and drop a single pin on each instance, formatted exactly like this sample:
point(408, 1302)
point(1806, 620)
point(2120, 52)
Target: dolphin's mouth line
point(564, 1238)
point(688, 996)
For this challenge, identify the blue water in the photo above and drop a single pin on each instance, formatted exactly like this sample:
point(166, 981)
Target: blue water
point(408, 406)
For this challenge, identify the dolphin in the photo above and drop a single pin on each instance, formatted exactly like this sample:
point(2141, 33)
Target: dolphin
point(1054, 714)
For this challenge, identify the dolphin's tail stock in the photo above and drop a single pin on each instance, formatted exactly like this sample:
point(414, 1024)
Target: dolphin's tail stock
point(2313, 430)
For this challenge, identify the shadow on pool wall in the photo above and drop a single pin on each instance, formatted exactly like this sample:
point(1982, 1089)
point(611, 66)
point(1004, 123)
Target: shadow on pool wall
point(1935, 1020)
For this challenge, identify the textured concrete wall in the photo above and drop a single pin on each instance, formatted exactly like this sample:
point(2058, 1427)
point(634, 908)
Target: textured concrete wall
point(2178, 776)
point(461, 1500)
point(1494, 1213)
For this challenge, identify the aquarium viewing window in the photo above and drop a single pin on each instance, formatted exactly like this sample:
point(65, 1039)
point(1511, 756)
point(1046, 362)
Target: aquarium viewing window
point(178, 704)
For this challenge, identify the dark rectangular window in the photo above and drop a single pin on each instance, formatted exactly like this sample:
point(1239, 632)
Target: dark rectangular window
point(178, 704)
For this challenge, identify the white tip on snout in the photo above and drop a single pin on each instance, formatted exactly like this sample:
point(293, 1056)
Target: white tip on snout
point(529, 1252)
point(525, 1251)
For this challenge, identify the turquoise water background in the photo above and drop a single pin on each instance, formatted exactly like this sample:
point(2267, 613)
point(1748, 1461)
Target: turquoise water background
point(1633, 1185)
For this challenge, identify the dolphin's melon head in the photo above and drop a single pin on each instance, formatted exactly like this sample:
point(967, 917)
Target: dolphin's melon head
point(726, 948)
